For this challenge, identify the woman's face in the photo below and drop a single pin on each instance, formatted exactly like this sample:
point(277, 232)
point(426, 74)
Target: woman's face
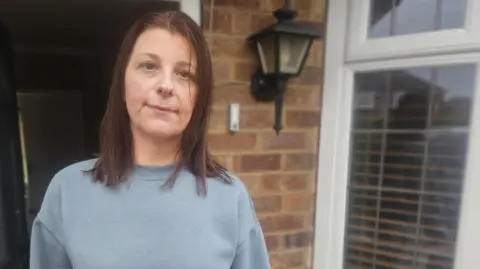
point(160, 88)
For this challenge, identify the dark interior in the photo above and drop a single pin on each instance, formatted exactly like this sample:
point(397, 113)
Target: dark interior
point(63, 56)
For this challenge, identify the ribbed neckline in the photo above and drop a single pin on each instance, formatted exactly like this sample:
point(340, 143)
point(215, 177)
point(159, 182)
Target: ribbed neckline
point(153, 172)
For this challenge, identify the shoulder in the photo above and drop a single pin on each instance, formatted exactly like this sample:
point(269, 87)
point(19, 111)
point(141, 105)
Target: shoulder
point(236, 194)
point(67, 178)
point(56, 193)
point(72, 171)
point(76, 168)
point(245, 208)
point(236, 189)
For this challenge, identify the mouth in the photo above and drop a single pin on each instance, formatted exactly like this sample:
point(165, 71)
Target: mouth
point(163, 109)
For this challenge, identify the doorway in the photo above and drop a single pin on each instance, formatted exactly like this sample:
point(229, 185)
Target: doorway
point(55, 64)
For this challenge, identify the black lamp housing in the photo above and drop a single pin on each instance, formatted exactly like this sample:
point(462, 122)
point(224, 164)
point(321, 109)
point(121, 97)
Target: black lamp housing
point(282, 49)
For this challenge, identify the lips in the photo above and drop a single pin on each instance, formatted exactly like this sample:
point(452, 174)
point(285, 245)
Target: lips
point(163, 109)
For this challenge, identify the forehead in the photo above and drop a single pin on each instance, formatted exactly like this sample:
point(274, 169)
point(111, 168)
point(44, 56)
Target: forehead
point(169, 46)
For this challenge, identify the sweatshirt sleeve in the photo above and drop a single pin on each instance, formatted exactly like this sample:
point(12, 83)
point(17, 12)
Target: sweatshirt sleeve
point(251, 251)
point(46, 251)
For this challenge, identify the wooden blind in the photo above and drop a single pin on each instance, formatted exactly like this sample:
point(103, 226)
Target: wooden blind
point(408, 154)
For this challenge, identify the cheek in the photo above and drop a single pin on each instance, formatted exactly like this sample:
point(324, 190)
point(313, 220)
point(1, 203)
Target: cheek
point(187, 100)
point(136, 91)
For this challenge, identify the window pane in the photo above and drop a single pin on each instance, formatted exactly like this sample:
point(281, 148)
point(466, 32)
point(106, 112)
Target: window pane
point(402, 17)
point(370, 100)
point(452, 101)
point(409, 98)
point(408, 156)
point(452, 14)
point(381, 18)
point(414, 16)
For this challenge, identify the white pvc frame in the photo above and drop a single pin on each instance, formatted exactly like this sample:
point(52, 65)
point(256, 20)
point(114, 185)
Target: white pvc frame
point(333, 167)
point(360, 47)
point(193, 8)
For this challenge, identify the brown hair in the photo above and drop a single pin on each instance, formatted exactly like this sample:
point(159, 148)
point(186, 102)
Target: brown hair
point(115, 159)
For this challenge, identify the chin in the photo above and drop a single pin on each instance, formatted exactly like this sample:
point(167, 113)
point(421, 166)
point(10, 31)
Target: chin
point(162, 130)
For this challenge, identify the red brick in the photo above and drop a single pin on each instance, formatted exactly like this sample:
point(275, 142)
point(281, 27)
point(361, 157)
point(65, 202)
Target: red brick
point(286, 182)
point(277, 174)
point(295, 182)
point(273, 242)
point(255, 4)
point(286, 140)
point(282, 223)
point(222, 21)
point(259, 162)
point(299, 97)
point(261, 21)
point(315, 58)
point(244, 71)
point(268, 204)
point(272, 5)
point(226, 94)
point(221, 2)
point(218, 120)
point(225, 46)
point(297, 202)
point(206, 19)
point(242, 22)
point(258, 119)
point(299, 161)
point(224, 160)
point(222, 71)
point(302, 119)
point(310, 75)
point(288, 259)
point(231, 142)
point(252, 182)
point(319, 11)
point(302, 4)
point(271, 183)
point(298, 240)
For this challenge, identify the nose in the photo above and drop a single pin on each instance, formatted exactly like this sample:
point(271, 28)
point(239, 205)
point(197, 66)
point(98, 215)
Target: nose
point(165, 88)
point(165, 91)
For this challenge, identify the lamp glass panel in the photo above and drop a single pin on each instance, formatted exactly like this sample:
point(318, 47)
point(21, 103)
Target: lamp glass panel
point(293, 49)
point(266, 53)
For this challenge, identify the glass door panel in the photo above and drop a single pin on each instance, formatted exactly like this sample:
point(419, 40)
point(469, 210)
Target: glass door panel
point(409, 141)
point(13, 237)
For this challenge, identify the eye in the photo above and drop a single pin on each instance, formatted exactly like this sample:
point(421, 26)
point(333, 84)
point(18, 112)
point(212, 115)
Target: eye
point(185, 75)
point(148, 66)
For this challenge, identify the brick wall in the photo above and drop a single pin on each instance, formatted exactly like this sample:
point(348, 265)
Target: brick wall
point(279, 171)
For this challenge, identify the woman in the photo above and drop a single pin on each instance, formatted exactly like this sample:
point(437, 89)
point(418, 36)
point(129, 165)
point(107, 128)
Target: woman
point(113, 212)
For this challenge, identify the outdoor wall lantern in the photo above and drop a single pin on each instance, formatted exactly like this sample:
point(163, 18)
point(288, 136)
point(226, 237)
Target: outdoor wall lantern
point(282, 49)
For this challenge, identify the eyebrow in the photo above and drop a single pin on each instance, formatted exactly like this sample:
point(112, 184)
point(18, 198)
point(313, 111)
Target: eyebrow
point(186, 64)
point(181, 63)
point(152, 55)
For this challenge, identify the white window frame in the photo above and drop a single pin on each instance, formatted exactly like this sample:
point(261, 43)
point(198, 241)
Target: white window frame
point(193, 8)
point(334, 150)
point(360, 47)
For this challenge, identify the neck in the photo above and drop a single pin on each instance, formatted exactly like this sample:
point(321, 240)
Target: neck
point(154, 151)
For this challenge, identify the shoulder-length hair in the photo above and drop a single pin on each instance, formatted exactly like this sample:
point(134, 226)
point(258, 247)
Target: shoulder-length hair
point(116, 146)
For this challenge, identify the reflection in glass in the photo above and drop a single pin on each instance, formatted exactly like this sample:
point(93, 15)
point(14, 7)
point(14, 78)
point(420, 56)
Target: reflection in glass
point(414, 16)
point(452, 14)
point(408, 153)
point(402, 17)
